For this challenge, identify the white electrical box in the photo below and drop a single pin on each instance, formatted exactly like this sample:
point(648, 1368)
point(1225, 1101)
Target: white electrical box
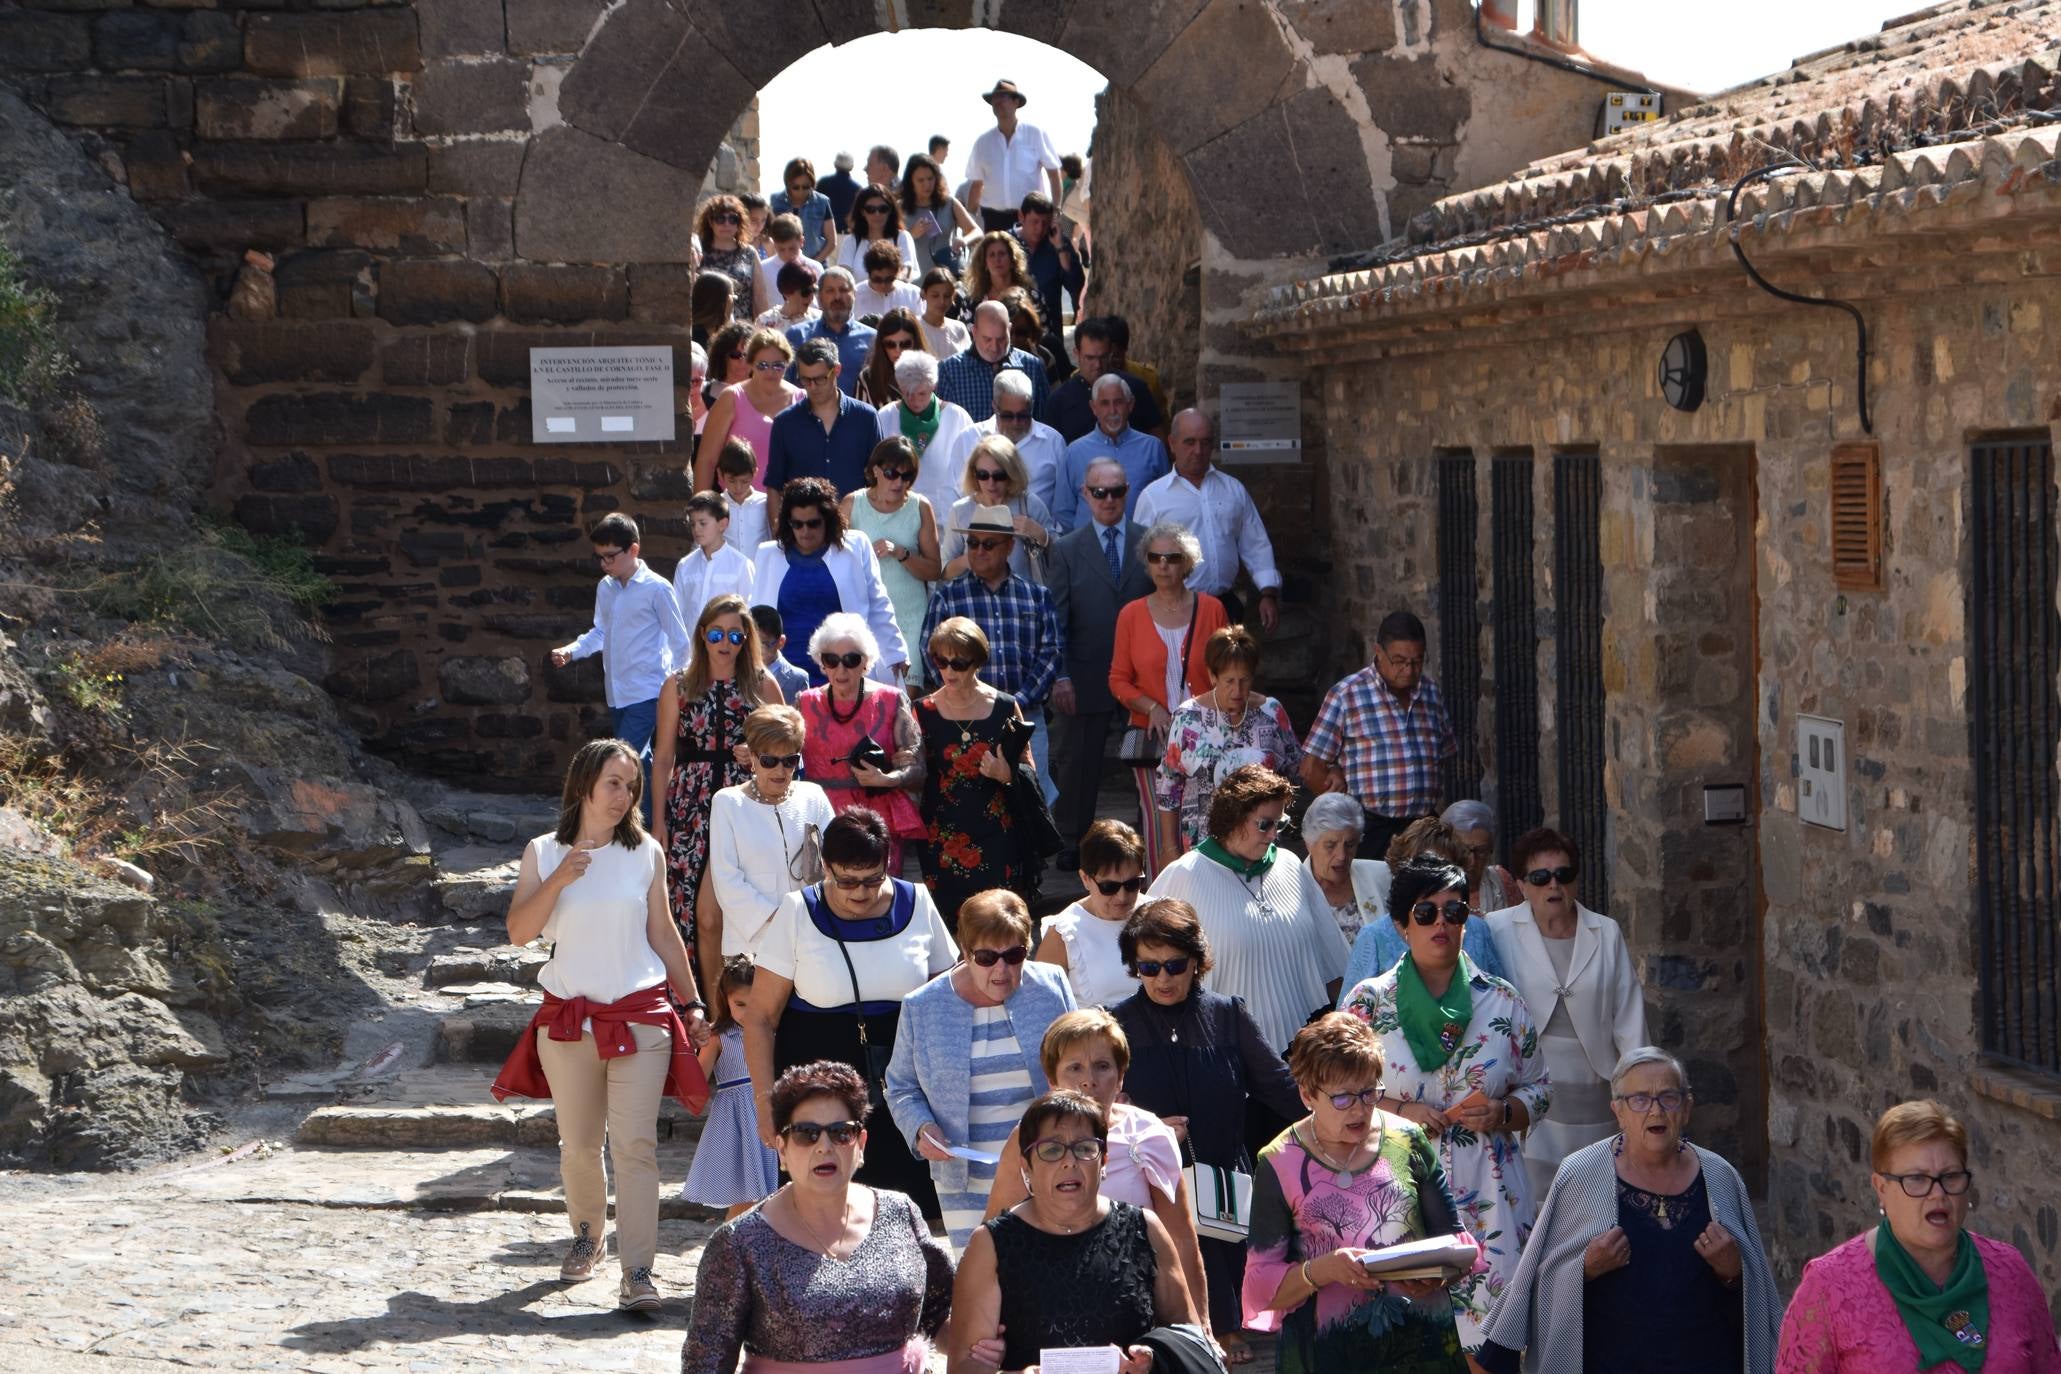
point(1821, 771)
point(1622, 109)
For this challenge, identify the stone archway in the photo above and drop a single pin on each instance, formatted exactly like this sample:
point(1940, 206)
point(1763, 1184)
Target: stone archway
point(1279, 163)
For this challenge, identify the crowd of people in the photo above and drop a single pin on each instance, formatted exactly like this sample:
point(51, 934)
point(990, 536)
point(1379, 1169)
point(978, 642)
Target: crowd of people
point(937, 574)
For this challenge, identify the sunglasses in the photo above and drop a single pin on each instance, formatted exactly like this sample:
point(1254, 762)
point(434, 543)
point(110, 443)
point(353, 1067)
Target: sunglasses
point(1267, 825)
point(873, 210)
point(853, 659)
point(871, 880)
point(988, 958)
point(894, 474)
point(988, 475)
point(809, 1132)
point(1165, 557)
point(1539, 877)
point(1117, 494)
point(718, 636)
point(815, 524)
point(1052, 1151)
point(1109, 887)
point(773, 366)
point(1012, 417)
point(788, 761)
point(1365, 1097)
point(725, 217)
point(1455, 912)
point(957, 665)
point(1152, 968)
point(983, 544)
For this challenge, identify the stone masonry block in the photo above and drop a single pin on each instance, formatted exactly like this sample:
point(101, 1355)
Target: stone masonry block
point(540, 27)
point(232, 226)
point(326, 285)
point(406, 224)
point(1238, 43)
point(120, 102)
point(427, 291)
point(337, 417)
point(369, 42)
point(461, 28)
point(294, 472)
point(426, 360)
point(306, 519)
point(32, 42)
point(476, 168)
point(535, 294)
point(1129, 34)
point(427, 472)
point(376, 678)
point(1344, 26)
point(661, 291)
point(478, 97)
point(490, 228)
point(256, 351)
point(654, 82)
point(157, 166)
point(587, 200)
point(166, 41)
point(369, 107)
point(317, 169)
point(502, 356)
point(484, 681)
point(240, 108)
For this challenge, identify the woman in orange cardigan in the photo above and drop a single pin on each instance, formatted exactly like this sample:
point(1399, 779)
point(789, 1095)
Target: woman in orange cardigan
point(1157, 663)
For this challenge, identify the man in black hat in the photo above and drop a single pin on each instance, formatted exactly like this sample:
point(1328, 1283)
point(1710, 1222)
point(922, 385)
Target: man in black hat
point(1006, 161)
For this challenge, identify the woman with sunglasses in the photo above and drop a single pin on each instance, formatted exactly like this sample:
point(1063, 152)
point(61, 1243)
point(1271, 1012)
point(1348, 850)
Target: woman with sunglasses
point(815, 566)
point(940, 431)
point(748, 411)
point(725, 248)
point(875, 216)
point(765, 835)
point(1345, 1179)
point(863, 746)
point(1082, 939)
point(1197, 1057)
point(1464, 1065)
point(896, 334)
point(699, 750)
point(826, 1272)
point(1331, 829)
point(1571, 967)
point(944, 1094)
point(834, 964)
point(903, 528)
point(1067, 1265)
point(995, 476)
point(1209, 735)
point(1646, 1257)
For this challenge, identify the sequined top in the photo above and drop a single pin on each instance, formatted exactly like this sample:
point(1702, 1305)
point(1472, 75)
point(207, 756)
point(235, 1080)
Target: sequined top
point(758, 1290)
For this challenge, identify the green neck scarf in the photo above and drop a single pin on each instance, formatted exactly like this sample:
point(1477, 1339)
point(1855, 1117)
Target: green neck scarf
point(1949, 1325)
point(921, 429)
point(1434, 1026)
point(1244, 868)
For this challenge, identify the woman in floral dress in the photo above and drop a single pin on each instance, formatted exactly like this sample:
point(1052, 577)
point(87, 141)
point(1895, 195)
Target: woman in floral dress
point(966, 779)
point(1215, 734)
point(1464, 1064)
point(699, 747)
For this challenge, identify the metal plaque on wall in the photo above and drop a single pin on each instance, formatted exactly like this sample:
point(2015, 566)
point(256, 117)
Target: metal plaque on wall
point(601, 395)
point(1259, 422)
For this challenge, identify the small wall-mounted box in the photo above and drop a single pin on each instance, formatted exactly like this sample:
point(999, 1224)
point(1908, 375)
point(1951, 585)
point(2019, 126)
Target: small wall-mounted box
point(1821, 771)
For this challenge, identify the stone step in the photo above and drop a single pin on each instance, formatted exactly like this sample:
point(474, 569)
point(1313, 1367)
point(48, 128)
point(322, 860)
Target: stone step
point(475, 882)
point(460, 1126)
point(506, 964)
point(483, 1034)
point(490, 820)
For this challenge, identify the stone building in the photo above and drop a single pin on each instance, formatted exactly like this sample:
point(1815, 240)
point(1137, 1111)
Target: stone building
point(1655, 589)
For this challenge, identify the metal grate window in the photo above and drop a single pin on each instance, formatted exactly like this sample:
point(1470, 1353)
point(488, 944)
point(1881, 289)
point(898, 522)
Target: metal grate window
point(2016, 636)
point(1459, 618)
point(1517, 665)
point(1578, 707)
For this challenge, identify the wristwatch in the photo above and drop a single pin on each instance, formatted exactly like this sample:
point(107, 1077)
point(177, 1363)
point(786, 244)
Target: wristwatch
point(696, 1005)
point(901, 553)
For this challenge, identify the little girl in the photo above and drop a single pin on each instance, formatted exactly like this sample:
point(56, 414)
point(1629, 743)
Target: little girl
point(731, 1169)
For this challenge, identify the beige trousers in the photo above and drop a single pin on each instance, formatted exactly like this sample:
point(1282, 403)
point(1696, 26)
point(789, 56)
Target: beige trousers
point(616, 1099)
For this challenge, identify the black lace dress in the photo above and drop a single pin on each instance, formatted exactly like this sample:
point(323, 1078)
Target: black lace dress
point(1090, 1288)
point(1667, 1309)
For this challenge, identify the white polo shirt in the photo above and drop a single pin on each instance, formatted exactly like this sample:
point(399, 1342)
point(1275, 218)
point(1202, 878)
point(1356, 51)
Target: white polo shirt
point(1009, 169)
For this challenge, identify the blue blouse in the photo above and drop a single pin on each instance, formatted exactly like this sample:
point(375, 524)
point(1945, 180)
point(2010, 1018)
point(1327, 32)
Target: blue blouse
point(807, 594)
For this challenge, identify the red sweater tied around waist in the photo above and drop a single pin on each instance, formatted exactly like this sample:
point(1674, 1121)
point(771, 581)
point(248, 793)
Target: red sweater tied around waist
point(523, 1074)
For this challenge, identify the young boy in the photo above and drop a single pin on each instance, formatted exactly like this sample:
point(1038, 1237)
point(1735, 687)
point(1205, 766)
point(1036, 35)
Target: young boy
point(784, 232)
point(772, 639)
point(943, 336)
point(637, 631)
point(711, 568)
point(884, 290)
point(737, 467)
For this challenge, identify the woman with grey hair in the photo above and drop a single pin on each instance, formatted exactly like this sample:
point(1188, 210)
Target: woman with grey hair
point(1157, 663)
point(862, 747)
point(1489, 885)
point(995, 476)
point(940, 431)
point(1646, 1254)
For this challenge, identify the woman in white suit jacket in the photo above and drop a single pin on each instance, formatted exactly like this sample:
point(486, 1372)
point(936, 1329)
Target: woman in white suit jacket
point(1575, 974)
point(847, 556)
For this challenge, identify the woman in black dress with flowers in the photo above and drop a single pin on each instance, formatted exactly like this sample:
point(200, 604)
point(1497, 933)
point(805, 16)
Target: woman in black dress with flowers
point(971, 846)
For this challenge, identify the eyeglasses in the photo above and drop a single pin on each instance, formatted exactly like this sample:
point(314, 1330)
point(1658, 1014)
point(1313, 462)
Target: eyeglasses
point(788, 761)
point(809, 1132)
point(1267, 825)
point(1671, 1101)
point(812, 524)
point(983, 544)
point(1539, 877)
point(894, 474)
point(1455, 912)
point(607, 555)
point(1165, 557)
point(1117, 494)
point(1365, 1096)
point(1152, 968)
point(860, 884)
point(821, 379)
point(775, 365)
point(1012, 417)
point(854, 659)
point(718, 636)
point(989, 475)
point(1953, 1183)
point(1087, 1148)
point(957, 665)
point(988, 958)
point(1109, 887)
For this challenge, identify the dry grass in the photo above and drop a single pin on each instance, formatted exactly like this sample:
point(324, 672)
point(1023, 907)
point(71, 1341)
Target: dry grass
point(138, 805)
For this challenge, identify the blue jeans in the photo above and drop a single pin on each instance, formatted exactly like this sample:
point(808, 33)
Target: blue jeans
point(635, 724)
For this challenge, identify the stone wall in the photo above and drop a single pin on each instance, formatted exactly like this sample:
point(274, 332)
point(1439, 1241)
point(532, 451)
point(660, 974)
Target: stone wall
point(1148, 243)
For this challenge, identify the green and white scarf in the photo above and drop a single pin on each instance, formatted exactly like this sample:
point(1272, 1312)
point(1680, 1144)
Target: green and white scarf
point(1434, 1026)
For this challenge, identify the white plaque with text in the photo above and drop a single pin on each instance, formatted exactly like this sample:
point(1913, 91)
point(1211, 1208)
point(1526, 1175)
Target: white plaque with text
point(1259, 422)
point(601, 395)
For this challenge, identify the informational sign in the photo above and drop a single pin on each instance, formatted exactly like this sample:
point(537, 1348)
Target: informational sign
point(601, 395)
point(1260, 422)
point(1622, 109)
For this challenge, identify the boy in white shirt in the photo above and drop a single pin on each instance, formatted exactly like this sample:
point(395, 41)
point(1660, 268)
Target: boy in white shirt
point(943, 336)
point(712, 568)
point(884, 290)
point(737, 467)
point(785, 234)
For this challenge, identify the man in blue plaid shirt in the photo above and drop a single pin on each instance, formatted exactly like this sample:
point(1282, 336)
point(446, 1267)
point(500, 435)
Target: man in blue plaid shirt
point(967, 378)
point(1383, 736)
point(1026, 648)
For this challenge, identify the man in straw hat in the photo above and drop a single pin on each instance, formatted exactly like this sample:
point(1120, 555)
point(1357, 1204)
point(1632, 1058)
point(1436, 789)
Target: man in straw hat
point(1006, 161)
point(1026, 650)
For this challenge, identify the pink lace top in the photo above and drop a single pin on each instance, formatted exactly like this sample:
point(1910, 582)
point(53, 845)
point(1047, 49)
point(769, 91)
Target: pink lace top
point(756, 428)
point(1843, 1321)
point(1143, 1156)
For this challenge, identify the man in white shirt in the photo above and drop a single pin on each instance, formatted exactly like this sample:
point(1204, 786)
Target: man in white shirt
point(711, 568)
point(1219, 511)
point(1006, 161)
point(1037, 443)
point(637, 631)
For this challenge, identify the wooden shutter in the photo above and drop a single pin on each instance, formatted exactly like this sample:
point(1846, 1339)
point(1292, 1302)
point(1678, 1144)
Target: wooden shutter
point(1857, 517)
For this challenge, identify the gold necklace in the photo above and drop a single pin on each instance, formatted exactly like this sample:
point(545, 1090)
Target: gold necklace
point(827, 1251)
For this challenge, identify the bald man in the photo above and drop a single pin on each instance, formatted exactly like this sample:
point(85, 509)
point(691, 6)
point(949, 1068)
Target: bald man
point(1217, 507)
point(967, 379)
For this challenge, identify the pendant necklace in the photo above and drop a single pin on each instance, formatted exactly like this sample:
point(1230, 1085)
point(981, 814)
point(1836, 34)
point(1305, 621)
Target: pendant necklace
point(1340, 1175)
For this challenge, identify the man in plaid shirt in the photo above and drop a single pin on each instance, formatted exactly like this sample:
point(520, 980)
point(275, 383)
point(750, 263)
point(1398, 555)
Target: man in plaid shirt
point(967, 378)
point(1382, 735)
point(1026, 648)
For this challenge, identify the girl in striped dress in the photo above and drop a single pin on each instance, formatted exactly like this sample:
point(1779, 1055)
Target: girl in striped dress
point(731, 1168)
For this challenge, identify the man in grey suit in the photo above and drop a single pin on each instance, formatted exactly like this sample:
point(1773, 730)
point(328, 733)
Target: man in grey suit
point(1091, 572)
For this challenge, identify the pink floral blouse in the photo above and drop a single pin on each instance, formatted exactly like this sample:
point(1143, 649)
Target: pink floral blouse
point(1843, 1321)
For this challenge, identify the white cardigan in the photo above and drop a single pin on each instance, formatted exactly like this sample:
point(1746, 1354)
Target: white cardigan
point(943, 464)
point(751, 849)
point(856, 571)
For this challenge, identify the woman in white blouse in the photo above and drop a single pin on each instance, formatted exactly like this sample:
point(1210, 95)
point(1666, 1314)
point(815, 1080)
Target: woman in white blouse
point(765, 837)
point(833, 966)
point(1574, 972)
point(1083, 938)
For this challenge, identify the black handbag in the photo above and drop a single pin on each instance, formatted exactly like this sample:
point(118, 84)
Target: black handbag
point(1037, 834)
